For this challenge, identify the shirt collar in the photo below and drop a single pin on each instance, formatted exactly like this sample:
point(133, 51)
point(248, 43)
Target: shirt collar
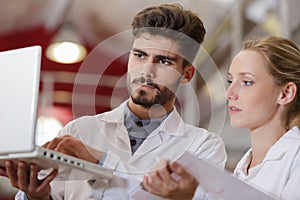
point(130, 121)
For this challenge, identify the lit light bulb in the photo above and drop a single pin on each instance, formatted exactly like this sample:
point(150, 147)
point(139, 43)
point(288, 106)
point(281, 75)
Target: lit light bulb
point(66, 52)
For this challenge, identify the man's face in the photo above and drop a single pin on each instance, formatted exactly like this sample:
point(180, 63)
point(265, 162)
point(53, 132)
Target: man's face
point(154, 70)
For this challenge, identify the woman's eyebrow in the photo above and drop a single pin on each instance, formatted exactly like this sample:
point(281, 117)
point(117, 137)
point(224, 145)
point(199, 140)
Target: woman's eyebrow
point(242, 74)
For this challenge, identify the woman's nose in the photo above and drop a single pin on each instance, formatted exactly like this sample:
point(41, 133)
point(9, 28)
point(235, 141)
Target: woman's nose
point(230, 94)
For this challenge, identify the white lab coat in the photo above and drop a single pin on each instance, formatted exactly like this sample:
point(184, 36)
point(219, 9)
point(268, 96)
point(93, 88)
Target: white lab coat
point(107, 133)
point(279, 173)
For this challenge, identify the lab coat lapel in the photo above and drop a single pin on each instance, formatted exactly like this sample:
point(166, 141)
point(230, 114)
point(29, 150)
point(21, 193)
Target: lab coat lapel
point(116, 118)
point(171, 126)
point(151, 143)
point(283, 145)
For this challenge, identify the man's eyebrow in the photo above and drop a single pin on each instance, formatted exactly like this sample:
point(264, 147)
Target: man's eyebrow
point(164, 57)
point(139, 51)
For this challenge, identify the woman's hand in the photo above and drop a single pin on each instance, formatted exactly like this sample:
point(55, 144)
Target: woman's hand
point(171, 181)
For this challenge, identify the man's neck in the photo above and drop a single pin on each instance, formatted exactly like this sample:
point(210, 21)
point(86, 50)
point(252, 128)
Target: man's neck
point(155, 111)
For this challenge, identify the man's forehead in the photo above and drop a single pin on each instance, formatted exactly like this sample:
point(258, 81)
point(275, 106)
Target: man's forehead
point(159, 43)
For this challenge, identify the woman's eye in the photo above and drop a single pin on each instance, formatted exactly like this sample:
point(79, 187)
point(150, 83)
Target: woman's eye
point(247, 83)
point(229, 82)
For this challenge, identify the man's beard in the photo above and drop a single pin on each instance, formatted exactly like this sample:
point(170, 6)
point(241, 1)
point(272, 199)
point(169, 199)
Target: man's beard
point(163, 94)
point(161, 98)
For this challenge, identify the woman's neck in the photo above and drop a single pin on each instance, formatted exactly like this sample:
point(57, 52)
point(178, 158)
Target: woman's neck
point(262, 139)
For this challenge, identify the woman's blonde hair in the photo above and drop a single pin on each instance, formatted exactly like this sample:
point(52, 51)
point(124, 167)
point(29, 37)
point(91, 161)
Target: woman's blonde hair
point(283, 58)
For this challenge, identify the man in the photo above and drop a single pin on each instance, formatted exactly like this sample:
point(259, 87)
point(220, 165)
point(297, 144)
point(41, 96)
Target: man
point(147, 127)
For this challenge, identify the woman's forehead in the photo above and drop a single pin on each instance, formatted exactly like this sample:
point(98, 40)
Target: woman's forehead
point(249, 62)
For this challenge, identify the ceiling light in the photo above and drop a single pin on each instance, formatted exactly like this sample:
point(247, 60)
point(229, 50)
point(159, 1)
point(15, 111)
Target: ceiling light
point(66, 46)
point(66, 52)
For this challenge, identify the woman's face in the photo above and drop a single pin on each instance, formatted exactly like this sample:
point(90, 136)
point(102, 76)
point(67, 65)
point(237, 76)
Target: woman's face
point(252, 93)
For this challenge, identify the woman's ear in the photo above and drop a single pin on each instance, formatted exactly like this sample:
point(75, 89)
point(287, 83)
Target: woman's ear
point(288, 93)
point(188, 73)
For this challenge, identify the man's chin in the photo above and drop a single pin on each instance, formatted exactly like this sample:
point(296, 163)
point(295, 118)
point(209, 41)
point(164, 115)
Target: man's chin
point(142, 101)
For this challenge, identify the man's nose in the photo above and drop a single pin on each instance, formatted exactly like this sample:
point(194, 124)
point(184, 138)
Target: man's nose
point(148, 70)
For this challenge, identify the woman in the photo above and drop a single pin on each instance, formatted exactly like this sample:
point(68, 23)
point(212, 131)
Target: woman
point(264, 96)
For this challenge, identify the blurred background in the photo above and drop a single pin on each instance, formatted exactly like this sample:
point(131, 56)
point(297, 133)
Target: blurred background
point(91, 22)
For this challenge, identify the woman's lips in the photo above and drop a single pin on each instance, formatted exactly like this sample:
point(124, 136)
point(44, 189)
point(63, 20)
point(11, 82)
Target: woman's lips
point(233, 109)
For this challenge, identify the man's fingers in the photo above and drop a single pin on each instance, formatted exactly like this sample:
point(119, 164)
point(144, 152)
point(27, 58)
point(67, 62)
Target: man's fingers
point(23, 173)
point(45, 145)
point(33, 181)
point(45, 182)
point(66, 144)
point(11, 173)
point(3, 171)
point(52, 144)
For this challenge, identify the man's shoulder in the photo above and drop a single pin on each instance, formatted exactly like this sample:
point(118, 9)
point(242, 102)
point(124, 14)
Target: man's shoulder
point(114, 115)
point(88, 123)
point(86, 118)
point(195, 128)
point(202, 131)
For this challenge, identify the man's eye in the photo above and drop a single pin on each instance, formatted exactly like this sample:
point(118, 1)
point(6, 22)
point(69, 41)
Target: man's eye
point(165, 62)
point(139, 55)
point(229, 81)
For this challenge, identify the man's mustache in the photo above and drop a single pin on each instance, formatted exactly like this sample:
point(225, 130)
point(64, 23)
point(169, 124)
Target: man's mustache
point(148, 82)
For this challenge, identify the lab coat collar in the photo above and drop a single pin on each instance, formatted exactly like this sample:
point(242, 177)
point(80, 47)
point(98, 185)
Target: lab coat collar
point(116, 115)
point(172, 125)
point(279, 149)
point(276, 152)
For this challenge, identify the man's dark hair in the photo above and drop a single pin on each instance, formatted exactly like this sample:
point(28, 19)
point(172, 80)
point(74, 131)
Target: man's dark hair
point(172, 21)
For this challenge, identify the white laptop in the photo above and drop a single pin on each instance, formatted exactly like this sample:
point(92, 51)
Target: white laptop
point(19, 88)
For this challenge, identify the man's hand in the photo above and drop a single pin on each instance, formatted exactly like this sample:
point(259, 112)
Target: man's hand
point(162, 183)
point(74, 147)
point(24, 177)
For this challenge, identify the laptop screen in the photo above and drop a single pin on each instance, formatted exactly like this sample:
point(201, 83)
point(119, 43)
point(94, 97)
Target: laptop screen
point(19, 86)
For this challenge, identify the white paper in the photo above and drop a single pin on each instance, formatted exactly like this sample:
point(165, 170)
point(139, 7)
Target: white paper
point(216, 182)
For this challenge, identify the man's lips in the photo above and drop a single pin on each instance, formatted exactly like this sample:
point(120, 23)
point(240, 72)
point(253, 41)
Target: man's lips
point(146, 85)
